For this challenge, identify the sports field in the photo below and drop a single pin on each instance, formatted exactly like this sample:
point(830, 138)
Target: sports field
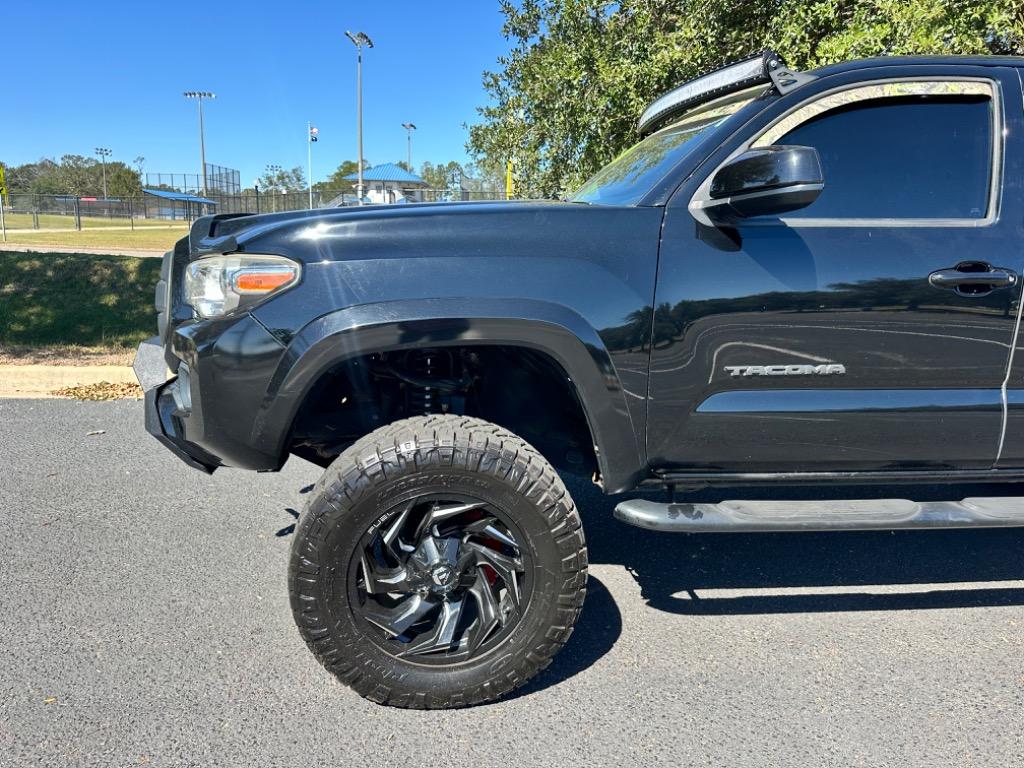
point(144, 238)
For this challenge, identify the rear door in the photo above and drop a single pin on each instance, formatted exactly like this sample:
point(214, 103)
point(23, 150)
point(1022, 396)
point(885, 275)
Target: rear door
point(842, 337)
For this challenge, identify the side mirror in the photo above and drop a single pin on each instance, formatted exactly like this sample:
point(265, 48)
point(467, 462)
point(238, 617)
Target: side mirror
point(763, 181)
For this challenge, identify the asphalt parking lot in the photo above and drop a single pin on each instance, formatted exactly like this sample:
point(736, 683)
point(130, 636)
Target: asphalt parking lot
point(145, 621)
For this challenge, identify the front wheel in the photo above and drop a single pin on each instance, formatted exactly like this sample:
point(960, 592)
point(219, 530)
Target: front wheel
point(440, 562)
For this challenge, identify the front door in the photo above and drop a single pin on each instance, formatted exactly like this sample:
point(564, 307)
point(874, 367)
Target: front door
point(842, 337)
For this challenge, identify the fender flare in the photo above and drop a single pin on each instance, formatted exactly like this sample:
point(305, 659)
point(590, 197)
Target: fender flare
point(552, 329)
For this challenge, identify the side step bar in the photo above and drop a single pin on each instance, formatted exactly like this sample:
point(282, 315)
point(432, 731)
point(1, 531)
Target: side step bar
point(860, 515)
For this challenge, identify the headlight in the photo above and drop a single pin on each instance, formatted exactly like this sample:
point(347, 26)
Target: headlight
point(216, 285)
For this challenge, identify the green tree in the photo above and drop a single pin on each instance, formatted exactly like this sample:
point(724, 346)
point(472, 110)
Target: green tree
point(565, 100)
point(74, 175)
point(78, 175)
point(484, 180)
point(123, 181)
point(34, 178)
point(336, 182)
point(277, 179)
point(440, 176)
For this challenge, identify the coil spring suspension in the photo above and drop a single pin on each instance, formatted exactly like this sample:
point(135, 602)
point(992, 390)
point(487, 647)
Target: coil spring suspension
point(427, 364)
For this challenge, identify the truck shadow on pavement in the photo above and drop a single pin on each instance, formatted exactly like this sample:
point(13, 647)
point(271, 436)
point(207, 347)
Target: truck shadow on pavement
point(597, 629)
point(782, 573)
point(772, 573)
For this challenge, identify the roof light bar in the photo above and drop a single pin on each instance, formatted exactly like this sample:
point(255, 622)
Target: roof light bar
point(766, 67)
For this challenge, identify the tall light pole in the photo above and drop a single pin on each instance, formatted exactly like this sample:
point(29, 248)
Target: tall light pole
point(359, 39)
point(272, 173)
point(104, 153)
point(199, 96)
point(409, 128)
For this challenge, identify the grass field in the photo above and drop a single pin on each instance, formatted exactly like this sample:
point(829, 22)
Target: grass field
point(63, 307)
point(150, 238)
point(56, 221)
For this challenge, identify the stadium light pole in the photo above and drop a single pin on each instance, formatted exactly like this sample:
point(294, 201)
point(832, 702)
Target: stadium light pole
point(409, 128)
point(272, 172)
point(359, 39)
point(199, 96)
point(104, 153)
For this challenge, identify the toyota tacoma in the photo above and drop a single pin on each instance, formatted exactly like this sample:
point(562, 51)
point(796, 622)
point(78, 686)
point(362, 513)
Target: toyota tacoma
point(792, 279)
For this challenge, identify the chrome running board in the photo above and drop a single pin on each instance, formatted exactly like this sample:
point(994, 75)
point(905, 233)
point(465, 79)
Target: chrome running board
point(871, 514)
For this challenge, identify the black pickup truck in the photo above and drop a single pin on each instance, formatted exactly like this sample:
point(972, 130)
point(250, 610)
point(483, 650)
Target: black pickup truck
point(792, 279)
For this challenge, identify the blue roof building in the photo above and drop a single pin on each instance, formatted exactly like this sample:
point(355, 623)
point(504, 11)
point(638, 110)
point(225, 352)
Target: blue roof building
point(388, 172)
point(179, 196)
point(390, 183)
point(176, 205)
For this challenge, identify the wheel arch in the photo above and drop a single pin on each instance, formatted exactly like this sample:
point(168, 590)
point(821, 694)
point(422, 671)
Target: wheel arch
point(552, 330)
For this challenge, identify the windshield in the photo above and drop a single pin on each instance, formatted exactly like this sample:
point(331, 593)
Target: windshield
point(626, 179)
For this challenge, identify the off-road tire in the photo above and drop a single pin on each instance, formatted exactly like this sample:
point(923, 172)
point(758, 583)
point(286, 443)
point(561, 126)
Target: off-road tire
point(452, 453)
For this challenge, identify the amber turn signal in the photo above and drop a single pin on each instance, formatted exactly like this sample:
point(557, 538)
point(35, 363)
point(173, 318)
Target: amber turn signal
point(264, 280)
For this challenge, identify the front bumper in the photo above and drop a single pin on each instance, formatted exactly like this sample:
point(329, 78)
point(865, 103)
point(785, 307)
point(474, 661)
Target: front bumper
point(164, 401)
point(211, 411)
point(160, 422)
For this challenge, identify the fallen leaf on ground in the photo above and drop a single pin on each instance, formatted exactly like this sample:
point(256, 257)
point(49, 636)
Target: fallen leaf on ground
point(50, 700)
point(102, 390)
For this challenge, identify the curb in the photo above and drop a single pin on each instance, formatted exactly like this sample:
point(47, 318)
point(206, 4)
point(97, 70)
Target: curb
point(39, 381)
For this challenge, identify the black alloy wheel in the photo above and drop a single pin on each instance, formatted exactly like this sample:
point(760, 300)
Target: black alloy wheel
point(439, 579)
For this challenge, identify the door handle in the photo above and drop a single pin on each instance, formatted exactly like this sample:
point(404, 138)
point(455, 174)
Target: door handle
point(969, 276)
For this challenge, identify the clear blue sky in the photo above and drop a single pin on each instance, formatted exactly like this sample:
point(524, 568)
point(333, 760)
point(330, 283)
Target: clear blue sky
point(78, 75)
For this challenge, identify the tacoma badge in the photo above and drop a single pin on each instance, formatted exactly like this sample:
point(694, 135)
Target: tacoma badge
point(829, 369)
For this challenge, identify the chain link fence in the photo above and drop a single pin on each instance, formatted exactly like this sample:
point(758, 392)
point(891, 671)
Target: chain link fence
point(67, 212)
point(219, 180)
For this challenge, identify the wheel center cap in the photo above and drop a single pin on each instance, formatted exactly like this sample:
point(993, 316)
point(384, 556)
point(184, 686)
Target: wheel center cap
point(442, 575)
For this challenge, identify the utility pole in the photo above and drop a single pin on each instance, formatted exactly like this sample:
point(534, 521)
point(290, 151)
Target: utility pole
point(409, 128)
point(104, 153)
point(359, 39)
point(199, 96)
